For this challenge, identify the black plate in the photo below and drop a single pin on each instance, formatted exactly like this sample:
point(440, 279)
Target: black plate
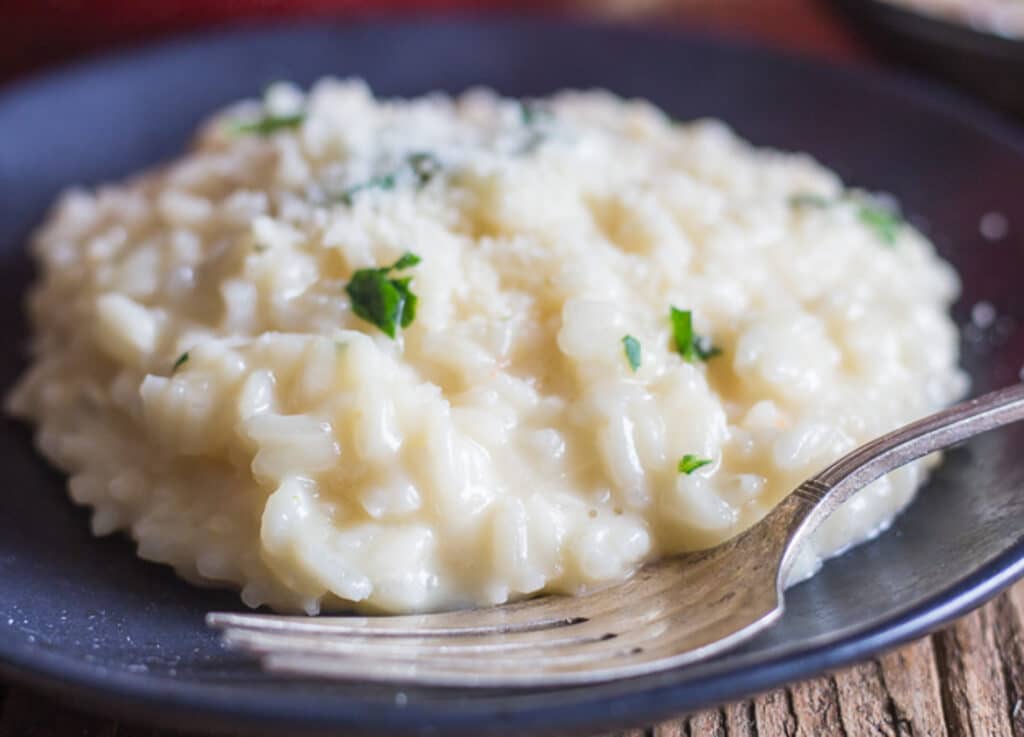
point(989, 65)
point(84, 617)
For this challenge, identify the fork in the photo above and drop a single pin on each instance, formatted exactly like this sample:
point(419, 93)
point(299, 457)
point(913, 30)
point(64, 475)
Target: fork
point(671, 613)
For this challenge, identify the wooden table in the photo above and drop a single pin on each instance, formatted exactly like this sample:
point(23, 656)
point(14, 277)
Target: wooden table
point(966, 680)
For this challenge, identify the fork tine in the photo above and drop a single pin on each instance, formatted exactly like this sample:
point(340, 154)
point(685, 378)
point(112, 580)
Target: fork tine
point(540, 668)
point(618, 619)
point(409, 672)
point(383, 626)
point(528, 645)
point(524, 616)
point(267, 641)
point(392, 673)
point(531, 614)
point(653, 638)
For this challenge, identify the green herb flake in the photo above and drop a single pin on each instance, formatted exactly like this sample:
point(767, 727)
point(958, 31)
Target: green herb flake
point(387, 303)
point(690, 463)
point(385, 182)
point(682, 332)
point(885, 223)
point(421, 165)
point(633, 351)
point(533, 112)
point(408, 260)
point(269, 124)
point(424, 166)
point(535, 116)
point(809, 200)
point(691, 347)
point(181, 361)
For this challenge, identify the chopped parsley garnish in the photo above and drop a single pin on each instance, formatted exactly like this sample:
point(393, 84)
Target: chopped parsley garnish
point(387, 303)
point(425, 166)
point(633, 352)
point(691, 347)
point(532, 112)
point(385, 181)
point(407, 260)
point(884, 222)
point(269, 124)
point(807, 199)
point(682, 331)
point(535, 117)
point(181, 361)
point(690, 463)
point(422, 167)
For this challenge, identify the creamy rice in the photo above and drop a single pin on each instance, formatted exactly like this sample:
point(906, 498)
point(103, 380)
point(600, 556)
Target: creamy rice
point(199, 371)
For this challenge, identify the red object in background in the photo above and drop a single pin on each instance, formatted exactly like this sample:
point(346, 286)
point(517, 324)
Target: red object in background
point(35, 33)
point(38, 33)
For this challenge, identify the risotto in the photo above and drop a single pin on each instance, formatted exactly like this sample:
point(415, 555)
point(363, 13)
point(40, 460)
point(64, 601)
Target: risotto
point(408, 355)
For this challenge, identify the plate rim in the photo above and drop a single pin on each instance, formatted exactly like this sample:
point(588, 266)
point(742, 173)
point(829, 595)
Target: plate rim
point(180, 704)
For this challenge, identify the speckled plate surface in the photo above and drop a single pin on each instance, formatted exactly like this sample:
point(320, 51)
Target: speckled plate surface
point(85, 618)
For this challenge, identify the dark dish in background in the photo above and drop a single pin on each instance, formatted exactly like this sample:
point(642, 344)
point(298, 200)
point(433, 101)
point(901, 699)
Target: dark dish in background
point(975, 57)
point(1002, 17)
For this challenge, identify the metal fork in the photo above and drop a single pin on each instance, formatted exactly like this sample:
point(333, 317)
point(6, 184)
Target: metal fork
point(671, 613)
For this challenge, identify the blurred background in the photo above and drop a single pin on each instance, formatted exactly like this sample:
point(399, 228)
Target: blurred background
point(973, 44)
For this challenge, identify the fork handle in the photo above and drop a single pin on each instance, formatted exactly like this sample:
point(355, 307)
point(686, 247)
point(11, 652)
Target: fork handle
point(811, 503)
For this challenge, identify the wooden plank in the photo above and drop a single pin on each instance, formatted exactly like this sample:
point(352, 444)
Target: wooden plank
point(911, 681)
point(708, 723)
point(973, 690)
point(740, 720)
point(674, 728)
point(816, 707)
point(1009, 626)
point(866, 704)
point(773, 714)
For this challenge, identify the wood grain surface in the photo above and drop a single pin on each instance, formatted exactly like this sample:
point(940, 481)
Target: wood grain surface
point(964, 681)
point(967, 680)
